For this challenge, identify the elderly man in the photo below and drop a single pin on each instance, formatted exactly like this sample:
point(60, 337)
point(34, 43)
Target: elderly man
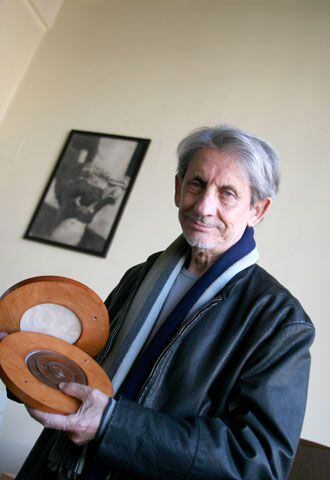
point(208, 354)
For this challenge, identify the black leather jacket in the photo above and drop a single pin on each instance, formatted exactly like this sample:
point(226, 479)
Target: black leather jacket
point(226, 398)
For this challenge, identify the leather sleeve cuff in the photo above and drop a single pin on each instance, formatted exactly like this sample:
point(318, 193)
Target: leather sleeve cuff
point(105, 419)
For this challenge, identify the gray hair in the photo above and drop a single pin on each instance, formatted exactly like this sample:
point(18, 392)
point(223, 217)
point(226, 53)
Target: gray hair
point(257, 157)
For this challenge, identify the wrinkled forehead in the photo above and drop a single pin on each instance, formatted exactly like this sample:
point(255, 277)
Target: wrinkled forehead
point(214, 162)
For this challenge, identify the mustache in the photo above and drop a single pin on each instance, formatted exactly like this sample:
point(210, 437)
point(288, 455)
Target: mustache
point(205, 221)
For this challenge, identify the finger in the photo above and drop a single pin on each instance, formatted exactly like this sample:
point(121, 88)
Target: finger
point(75, 390)
point(50, 420)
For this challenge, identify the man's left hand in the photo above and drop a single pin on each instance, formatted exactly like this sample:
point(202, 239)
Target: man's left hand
point(81, 426)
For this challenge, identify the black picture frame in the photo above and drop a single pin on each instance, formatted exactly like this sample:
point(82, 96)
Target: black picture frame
point(86, 194)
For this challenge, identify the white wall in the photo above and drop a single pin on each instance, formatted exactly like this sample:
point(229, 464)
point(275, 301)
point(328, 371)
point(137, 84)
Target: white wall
point(157, 70)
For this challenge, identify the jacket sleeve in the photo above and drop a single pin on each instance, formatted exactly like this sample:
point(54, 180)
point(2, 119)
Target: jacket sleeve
point(255, 439)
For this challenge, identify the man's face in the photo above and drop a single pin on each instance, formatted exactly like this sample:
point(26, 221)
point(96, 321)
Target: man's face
point(214, 200)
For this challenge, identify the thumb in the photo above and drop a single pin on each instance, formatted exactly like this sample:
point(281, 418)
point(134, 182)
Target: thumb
point(75, 390)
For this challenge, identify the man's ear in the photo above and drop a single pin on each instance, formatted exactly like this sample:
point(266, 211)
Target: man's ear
point(177, 194)
point(258, 211)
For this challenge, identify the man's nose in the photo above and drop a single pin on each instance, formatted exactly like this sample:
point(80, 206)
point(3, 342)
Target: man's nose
point(207, 204)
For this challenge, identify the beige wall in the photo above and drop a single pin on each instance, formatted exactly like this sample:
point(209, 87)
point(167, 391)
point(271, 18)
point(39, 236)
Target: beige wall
point(157, 70)
point(23, 25)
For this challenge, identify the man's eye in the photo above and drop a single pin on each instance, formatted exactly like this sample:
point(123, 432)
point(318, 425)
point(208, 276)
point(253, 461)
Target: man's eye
point(227, 193)
point(195, 184)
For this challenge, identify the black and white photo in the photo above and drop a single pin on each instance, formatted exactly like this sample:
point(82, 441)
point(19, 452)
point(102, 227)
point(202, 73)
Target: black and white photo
point(86, 194)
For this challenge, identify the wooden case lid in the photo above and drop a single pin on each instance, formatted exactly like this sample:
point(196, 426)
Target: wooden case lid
point(75, 296)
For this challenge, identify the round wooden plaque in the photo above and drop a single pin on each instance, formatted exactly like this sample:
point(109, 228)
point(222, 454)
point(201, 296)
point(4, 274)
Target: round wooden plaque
point(16, 351)
point(78, 298)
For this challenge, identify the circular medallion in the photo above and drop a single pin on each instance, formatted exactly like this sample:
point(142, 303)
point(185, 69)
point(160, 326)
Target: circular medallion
point(52, 368)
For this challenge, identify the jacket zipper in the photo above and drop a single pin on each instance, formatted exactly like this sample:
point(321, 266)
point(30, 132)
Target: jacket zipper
point(174, 339)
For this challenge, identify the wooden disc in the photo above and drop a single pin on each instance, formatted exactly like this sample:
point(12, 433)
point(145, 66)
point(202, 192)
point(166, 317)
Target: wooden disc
point(75, 296)
point(15, 373)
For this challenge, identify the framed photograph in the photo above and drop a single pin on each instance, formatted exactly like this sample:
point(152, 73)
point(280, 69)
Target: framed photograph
point(86, 194)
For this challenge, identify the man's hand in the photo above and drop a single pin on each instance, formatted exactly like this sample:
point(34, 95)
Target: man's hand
point(81, 426)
